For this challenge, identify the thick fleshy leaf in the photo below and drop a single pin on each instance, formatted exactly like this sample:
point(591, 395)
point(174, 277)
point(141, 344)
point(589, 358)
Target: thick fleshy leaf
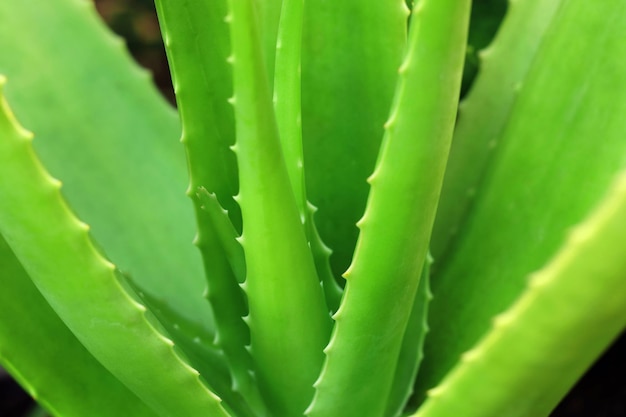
point(107, 134)
point(573, 308)
point(383, 279)
point(485, 19)
point(46, 358)
point(412, 350)
point(562, 145)
point(288, 109)
point(84, 288)
point(484, 114)
point(288, 319)
point(350, 58)
point(199, 349)
point(268, 17)
point(198, 42)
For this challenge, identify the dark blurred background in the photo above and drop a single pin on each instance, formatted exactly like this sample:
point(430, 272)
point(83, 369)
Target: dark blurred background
point(135, 21)
point(600, 393)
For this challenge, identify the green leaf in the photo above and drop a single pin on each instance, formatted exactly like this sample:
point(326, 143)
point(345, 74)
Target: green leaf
point(268, 14)
point(350, 59)
point(105, 131)
point(561, 147)
point(412, 350)
point(198, 348)
point(485, 19)
point(287, 97)
point(197, 40)
point(60, 369)
point(225, 262)
point(288, 318)
point(287, 106)
point(383, 279)
point(321, 256)
point(484, 114)
point(573, 308)
point(82, 286)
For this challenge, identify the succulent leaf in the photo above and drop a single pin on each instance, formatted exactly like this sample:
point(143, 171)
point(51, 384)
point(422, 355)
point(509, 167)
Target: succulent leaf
point(287, 106)
point(571, 310)
point(484, 114)
point(556, 160)
point(384, 276)
point(198, 348)
point(50, 242)
point(268, 19)
point(105, 131)
point(225, 265)
point(33, 323)
point(287, 97)
point(288, 319)
point(412, 350)
point(510, 196)
point(350, 58)
point(198, 43)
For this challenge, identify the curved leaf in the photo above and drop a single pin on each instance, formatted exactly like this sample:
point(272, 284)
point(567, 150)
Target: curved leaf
point(105, 131)
point(383, 279)
point(289, 322)
point(351, 52)
point(288, 109)
point(198, 43)
point(60, 369)
point(484, 114)
point(563, 143)
point(573, 308)
point(83, 288)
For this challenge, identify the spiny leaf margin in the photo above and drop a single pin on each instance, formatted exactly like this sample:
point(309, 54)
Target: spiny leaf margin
point(289, 322)
point(572, 309)
point(385, 272)
point(51, 242)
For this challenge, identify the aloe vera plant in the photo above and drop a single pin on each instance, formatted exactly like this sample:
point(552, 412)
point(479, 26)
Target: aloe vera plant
point(485, 248)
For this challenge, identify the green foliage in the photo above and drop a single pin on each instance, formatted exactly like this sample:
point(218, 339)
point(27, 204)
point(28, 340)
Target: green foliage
point(520, 198)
